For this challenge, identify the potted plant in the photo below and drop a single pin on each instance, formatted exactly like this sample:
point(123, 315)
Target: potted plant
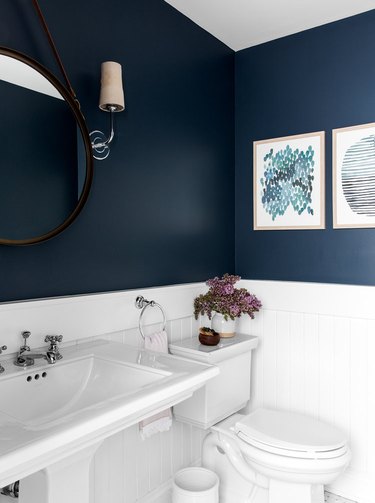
point(223, 303)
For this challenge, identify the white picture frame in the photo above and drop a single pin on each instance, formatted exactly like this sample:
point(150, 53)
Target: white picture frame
point(353, 176)
point(289, 182)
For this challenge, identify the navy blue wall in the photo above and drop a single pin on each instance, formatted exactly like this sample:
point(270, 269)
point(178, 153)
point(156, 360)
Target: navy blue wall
point(161, 209)
point(315, 80)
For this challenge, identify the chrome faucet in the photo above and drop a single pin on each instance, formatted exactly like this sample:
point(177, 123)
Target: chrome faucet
point(52, 355)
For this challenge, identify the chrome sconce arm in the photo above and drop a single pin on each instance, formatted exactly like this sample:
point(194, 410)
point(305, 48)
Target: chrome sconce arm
point(112, 101)
point(100, 142)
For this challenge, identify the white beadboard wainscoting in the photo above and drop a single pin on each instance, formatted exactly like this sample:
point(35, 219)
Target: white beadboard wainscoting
point(316, 355)
point(125, 468)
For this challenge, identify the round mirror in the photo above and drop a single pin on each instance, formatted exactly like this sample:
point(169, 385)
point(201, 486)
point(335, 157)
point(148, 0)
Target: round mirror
point(45, 157)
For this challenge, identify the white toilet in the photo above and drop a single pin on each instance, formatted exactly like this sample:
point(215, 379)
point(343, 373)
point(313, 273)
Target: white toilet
point(267, 456)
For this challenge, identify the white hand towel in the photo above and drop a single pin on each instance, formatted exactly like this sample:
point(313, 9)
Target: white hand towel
point(163, 420)
point(157, 342)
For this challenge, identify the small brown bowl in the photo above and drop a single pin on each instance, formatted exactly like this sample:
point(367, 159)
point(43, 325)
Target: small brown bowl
point(209, 340)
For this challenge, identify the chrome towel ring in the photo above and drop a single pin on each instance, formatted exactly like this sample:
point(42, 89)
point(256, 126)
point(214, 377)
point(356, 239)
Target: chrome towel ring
point(142, 303)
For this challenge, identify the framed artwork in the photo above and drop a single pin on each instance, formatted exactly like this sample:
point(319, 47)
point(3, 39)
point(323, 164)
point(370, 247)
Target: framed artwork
point(354, 176)
point(289, 182)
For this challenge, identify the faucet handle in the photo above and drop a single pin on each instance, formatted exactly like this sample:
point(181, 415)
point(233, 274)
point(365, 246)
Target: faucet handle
point(26, 334)
point(53, 339)
point(2, 348)
point(53, 351)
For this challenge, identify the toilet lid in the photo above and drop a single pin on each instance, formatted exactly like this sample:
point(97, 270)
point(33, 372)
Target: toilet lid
point(289, 431)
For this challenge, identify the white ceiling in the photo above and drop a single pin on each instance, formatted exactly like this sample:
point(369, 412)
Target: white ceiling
point(244, 23)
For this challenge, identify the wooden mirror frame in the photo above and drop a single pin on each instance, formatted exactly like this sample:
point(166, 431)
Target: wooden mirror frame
point(74, 106)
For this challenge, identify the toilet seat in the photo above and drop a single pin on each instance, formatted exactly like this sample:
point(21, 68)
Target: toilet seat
point(290, 434)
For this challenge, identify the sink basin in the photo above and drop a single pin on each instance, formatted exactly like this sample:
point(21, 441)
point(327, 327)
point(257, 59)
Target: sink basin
point(41, 397)
point(54, 417)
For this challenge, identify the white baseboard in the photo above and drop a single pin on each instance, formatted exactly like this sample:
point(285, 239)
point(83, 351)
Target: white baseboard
point(162, 494)
point(334, 498)
point(354, 486)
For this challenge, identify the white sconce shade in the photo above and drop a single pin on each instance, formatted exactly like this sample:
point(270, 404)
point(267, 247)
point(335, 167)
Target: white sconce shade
point(111, 92)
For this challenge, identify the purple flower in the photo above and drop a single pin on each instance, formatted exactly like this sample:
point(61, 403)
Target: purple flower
point(222, 297)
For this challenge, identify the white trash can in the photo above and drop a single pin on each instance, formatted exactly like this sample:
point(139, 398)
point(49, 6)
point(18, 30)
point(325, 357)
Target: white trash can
point(195, 485)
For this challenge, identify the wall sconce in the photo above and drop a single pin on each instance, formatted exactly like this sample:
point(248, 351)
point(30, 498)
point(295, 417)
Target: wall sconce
point(111, 100)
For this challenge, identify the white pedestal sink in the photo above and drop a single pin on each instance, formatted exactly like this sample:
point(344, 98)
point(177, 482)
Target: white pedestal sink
point(54, 417)
point(66, 480)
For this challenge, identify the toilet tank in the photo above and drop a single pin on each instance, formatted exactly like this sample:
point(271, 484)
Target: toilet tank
point(229, 391)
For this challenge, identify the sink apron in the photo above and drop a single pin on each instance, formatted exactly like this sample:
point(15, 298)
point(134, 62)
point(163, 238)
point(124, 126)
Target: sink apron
point(66, 480)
